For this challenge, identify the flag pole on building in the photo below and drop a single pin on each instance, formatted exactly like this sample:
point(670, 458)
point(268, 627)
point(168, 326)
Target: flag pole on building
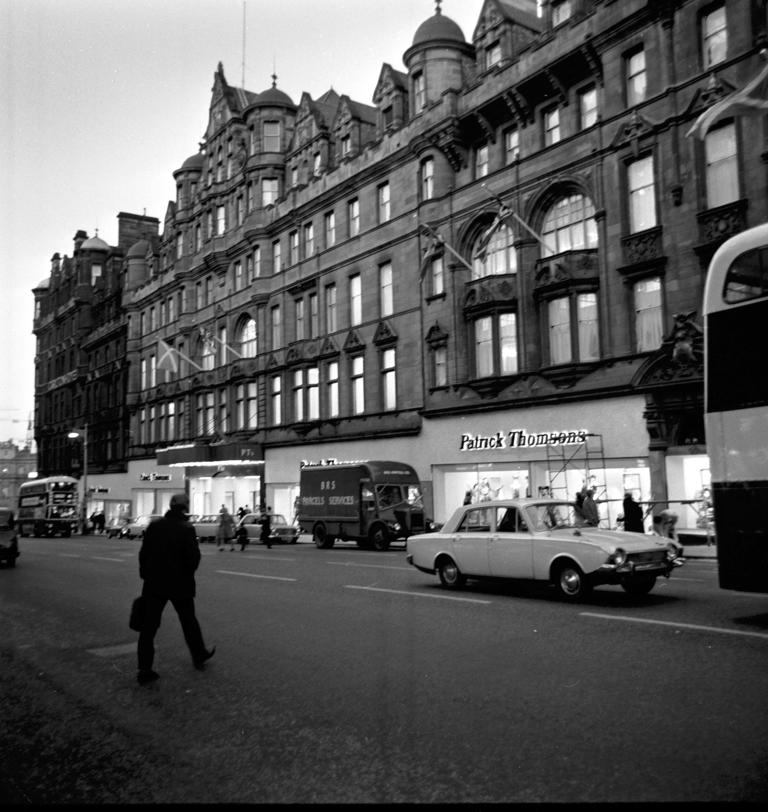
point(208, 337)
point(751, 100)
point(504, 212)
point(437, 241)
point(167, 360)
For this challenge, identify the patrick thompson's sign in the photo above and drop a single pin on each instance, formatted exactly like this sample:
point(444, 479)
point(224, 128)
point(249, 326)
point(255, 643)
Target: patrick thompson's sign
point(519, 438)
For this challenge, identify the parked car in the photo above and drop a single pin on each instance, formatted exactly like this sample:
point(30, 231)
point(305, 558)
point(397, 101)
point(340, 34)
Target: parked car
point(135, 527)
point(205, 526)
point(282, 532)
point(114, 527)
point(9, 543)
point(541, 540)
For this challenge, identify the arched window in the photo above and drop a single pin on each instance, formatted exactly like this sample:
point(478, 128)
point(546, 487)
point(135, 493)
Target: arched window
point(569, 226)
point(247, 338)
point(494, 254)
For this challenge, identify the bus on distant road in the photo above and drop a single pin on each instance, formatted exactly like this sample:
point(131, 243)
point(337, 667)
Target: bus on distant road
point(47, 507)
point(736, 406)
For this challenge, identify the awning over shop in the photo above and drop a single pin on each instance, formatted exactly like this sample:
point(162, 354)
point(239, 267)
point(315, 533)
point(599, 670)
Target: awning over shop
point(229, 454)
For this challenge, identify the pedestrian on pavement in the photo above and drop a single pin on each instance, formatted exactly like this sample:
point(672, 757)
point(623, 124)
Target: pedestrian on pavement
point(168, 558)
point(266, 526)
point(241, 535)
point(589, 508)
point(633, 515)
point(226, 530)
point(241, 511)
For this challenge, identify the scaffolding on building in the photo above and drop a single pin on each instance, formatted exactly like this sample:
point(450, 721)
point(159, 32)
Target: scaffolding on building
point(588, 459)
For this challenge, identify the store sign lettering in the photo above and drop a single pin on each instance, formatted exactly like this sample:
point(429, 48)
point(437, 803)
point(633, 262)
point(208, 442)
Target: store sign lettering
point(519, 438)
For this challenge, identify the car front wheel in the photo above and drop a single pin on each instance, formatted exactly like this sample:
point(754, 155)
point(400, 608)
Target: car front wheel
point(570, 581)
point(449, 573)
point(639, 585)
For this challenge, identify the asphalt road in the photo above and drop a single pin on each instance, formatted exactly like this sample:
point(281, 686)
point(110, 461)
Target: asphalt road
point(345, 675)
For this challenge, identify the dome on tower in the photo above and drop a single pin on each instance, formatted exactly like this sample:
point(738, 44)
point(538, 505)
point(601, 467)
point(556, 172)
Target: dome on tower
point(94, 244)
point(272, 97)
point(138, 249)
point(438, 28)
point(194, 162)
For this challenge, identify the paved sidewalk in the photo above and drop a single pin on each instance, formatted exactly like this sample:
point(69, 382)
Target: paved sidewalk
point(700, 551)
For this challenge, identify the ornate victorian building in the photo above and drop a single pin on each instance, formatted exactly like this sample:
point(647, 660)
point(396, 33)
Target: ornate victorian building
point(494, 272)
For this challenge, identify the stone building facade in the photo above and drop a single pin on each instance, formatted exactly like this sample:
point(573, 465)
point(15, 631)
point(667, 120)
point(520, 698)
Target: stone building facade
point(494, 272)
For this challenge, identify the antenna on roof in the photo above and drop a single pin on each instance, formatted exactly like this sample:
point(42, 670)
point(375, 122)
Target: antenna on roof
point(243, 45)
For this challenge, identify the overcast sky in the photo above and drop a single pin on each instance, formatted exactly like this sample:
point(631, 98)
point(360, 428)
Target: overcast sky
point(101, 100)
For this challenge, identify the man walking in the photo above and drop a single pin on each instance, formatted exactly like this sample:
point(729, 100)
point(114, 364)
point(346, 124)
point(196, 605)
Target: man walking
point(266, 526)
point(168, 559)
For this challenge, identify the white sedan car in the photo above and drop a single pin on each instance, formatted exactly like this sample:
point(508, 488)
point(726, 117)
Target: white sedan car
point(541, 540)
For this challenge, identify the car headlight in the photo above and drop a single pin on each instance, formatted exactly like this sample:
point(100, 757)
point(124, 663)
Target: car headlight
point(672, 552)
point(618, 557)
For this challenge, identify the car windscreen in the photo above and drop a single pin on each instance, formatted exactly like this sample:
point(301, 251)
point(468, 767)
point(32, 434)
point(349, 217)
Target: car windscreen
point(552, 516)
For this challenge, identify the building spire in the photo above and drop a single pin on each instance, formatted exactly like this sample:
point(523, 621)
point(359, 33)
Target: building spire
point(437, 6)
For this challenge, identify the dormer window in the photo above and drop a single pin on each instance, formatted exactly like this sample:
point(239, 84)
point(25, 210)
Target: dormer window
point(346, 146)
point(388, 117)
point(561, 11)
point(316, 164)
point(492, 55)
point(294, 176)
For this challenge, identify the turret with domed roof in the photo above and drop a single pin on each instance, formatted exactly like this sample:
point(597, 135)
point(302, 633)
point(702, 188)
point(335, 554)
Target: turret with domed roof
point(439, 59)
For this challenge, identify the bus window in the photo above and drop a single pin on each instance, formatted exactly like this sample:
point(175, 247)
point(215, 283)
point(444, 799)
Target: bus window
point(747, 277)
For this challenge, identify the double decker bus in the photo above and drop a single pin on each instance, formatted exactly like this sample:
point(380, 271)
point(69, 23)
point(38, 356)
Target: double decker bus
point(47, 507)
point(736, 406)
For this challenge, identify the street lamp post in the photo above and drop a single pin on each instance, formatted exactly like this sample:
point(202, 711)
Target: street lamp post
point(83, 434)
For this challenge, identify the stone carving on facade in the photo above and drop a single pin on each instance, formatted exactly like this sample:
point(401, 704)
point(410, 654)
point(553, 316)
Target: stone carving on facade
point(436, 336)
point(644, 246)
point(488, 291)
point(328, 348)
point(384, 334)
point(631, 131)
point(353, 342)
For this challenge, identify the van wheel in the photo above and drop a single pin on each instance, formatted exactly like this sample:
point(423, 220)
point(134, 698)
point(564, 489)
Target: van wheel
point(379, 538)
point(322, 540)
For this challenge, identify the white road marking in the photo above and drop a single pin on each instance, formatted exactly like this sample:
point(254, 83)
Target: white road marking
point(254, 575)
point(415, 594)
point(361, 564)
point(673, 624)
point(111, 651)
point(104, 558)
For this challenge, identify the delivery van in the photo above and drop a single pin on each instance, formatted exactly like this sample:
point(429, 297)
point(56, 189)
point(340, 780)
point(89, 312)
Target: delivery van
point(372, 502)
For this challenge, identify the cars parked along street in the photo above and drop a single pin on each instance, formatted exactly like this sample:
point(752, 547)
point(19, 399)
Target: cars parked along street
point(282, 532)
point(134, 529)
point(540, 540)
point(9, 543)
point(205, 526)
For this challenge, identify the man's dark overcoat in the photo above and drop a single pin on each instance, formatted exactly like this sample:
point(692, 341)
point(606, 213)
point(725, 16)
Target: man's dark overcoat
point(169, 556)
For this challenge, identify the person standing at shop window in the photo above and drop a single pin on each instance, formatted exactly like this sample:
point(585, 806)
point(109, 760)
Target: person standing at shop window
point(589, 509)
